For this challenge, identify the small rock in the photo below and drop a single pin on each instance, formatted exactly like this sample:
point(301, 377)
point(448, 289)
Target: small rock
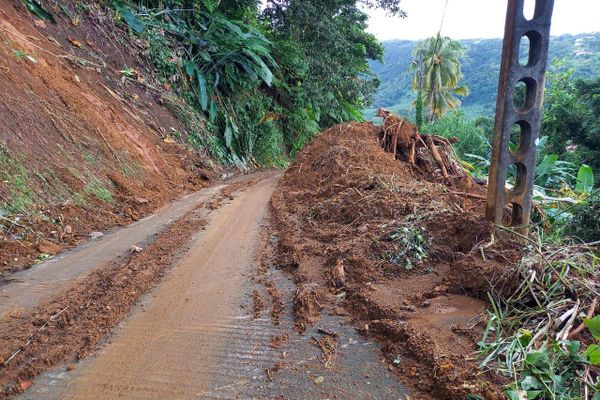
point(68, 229)
point(339, 274)
point(48, 247)
point(136, 249)
point(408, 308)
point(96, 235)
point(363, 229)
point(70, 367)
point(141, 200)
point(425, 304)
point(440, 289)
point(340, 312)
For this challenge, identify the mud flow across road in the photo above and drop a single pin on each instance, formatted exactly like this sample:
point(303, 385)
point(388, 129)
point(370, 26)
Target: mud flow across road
point(219, 323)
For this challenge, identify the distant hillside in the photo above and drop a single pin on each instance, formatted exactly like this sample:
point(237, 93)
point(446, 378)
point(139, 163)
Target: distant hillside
point(481, 66)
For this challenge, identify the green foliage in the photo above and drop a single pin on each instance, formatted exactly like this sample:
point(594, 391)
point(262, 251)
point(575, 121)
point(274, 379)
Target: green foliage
point(34, 7)
point(471, 138)
point(267, 81)
point(322, 48)
point(584, 223)
point(480, 67)
point(128, 16)
point(411, 247)
point(98, 190)
point(593, 324)
point(437, 74)
point(571, 115)
point(585, 180)
point(419, 109)
point(550, 172)
point(15, 177)
point(551, 372)
point(552, 283)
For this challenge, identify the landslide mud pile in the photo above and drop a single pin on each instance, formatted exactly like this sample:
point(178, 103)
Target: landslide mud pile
point(407, 252)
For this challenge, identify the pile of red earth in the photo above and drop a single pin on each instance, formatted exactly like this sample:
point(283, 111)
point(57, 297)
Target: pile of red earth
point(409, 256)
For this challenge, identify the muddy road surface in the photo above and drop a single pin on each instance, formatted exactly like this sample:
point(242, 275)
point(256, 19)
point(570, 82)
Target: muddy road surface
point(219, 323)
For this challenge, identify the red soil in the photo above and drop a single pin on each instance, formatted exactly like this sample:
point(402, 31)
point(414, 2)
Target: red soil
point(74, 125)
point(342, 212)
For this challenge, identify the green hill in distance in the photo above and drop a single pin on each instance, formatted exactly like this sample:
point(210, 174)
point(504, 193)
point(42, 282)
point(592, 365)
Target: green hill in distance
point(480, 67)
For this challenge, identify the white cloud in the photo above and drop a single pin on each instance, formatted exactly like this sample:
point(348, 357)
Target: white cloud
point(477, 19)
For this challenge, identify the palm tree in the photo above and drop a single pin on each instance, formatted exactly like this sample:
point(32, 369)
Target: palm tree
point(437, 74)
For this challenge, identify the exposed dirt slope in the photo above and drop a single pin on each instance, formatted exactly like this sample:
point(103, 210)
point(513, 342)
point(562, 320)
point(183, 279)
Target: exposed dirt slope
point(408, 256)
point(82, 148)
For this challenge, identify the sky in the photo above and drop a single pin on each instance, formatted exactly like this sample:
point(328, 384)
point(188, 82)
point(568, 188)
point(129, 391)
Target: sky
point(477, 19)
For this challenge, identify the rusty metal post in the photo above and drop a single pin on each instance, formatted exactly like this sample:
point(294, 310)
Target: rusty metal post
point(522, 119)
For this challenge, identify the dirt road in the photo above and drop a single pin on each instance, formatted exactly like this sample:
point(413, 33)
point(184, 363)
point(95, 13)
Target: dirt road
point(196, 335)
point(159, 352)
point(28, 288)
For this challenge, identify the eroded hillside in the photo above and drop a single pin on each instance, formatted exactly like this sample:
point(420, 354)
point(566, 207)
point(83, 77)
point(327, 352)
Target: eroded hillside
point(87, 138)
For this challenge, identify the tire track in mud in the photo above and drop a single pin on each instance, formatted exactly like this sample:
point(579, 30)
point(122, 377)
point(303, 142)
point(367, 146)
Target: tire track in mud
point(68, 326)
point(164, 349)
point(195, 335)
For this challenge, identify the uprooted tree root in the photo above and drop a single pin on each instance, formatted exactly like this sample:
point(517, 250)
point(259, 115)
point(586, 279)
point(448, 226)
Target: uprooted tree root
point(403, 140)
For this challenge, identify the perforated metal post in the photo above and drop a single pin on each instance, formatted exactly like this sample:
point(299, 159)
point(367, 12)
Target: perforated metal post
point(523, 118)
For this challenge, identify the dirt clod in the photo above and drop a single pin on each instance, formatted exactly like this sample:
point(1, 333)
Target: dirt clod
point(49, 247)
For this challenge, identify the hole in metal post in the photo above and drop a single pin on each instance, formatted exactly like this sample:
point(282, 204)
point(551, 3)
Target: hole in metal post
point(516, 176)
point(516, 217)
point(520, 137)
point(524, 94)
point(530, 49)
point(529, 9)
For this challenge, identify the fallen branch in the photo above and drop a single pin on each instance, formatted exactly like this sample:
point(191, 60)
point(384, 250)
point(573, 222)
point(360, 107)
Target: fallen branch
point(52, 319)
point(590, 315)
point(473, 195)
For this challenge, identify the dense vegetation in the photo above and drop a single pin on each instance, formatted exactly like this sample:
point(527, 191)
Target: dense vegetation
point(480, 68)
point(267, 78)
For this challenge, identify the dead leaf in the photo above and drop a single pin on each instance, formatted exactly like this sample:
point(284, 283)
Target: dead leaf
point(76, 43)
point(168, 140)
point(136, 249)
point(141, 200)
point(24, 385)
point(39, 23)
point(76, 21)
point(319, 380)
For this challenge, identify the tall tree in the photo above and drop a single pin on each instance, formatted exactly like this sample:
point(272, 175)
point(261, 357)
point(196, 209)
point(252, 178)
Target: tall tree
point(437, 71)
point(322, 49)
